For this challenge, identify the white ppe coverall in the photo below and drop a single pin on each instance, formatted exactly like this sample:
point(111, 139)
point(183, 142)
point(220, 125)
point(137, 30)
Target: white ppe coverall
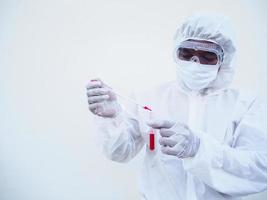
point(232, 157)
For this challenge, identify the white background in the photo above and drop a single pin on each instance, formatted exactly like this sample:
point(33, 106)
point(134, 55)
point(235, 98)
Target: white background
point(48, 51)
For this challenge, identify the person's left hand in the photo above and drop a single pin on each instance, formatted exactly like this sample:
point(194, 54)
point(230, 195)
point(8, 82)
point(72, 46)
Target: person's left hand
point(176, 138)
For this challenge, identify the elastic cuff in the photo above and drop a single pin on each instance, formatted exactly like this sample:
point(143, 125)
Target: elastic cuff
point(115, 121)
point(209, 154)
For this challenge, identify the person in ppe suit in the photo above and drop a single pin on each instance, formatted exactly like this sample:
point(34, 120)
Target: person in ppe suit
point(211, 139)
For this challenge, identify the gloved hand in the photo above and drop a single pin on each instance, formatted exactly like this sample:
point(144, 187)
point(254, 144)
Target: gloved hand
point(176, 138)
point(102, 101)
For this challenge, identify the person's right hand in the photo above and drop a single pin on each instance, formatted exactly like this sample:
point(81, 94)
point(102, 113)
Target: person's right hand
point(102, 101)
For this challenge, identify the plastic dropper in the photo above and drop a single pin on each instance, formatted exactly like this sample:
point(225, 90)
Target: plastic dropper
point(151, 133)
point(127, 98)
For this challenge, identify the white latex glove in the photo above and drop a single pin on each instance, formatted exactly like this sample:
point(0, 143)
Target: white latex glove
point(176, 138)
point(102, 101)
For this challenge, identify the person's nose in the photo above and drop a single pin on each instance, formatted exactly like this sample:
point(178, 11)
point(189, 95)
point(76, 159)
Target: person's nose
point(195, 59)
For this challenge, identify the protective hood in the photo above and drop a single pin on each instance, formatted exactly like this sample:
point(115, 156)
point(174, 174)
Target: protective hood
point(217, 29)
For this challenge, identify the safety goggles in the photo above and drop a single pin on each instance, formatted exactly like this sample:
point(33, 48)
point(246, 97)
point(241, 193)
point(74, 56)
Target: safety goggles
point(207, 53)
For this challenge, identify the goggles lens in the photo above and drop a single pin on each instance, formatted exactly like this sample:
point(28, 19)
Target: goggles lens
point(204, 57)
point(206, 53)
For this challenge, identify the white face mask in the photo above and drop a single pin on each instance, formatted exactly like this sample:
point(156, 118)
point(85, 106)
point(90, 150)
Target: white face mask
point(196, 76)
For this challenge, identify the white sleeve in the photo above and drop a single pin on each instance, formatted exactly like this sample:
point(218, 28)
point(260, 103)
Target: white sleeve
point(121, 136)
point(239, 169)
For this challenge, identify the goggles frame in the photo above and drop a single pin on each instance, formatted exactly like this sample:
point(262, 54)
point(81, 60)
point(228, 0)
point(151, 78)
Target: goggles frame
point(201, 46)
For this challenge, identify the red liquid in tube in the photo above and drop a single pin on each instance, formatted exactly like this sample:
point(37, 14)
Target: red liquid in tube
point(151, 140)
point(151, 134)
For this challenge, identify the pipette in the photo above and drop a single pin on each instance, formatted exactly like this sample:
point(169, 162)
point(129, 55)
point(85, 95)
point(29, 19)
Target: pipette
point(133, 101)
point(151, 133)
point(127, 98)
